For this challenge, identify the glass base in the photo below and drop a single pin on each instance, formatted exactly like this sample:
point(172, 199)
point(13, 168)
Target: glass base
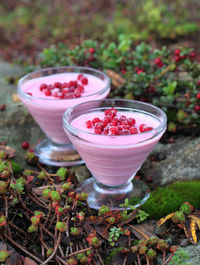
point(136, 191)
point(54, 154)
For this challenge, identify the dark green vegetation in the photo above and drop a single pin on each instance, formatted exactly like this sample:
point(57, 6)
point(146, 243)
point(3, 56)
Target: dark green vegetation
point(166, 200)
point(167, 78)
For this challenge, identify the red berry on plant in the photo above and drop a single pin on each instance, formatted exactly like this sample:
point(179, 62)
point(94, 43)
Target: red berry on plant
point(91, 50)
point(197, 108)
point(177, 52)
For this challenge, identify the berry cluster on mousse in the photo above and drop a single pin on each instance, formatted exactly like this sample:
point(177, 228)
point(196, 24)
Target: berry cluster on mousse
point(111, 125)
point(67, 90)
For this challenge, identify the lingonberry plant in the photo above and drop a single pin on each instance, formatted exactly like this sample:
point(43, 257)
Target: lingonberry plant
point(50, 222)
point(167, 78)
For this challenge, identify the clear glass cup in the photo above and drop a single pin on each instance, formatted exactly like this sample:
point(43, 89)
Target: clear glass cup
point(114, 160)
point(57, 149)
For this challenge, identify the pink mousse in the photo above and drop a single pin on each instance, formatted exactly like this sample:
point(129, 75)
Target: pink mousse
point(114, 160)
point(48, 110)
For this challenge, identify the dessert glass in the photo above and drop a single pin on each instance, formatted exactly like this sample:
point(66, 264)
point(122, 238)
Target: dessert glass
point(113, 160)
point(57, 149)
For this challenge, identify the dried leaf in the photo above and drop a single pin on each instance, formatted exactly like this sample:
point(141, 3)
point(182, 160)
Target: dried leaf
point(29, 261)
point(188, 227)
point(196, 219)
point(9, 150)
point(133, 214)
point(15, 98)
point(164, 219)
point(117, 80)
point(193, 231)
point(103, 231)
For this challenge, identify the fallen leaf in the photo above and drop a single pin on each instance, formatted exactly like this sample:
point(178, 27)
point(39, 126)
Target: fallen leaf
point(29, 261)
point(117, 80)
point(15, 98)
point(9, 150)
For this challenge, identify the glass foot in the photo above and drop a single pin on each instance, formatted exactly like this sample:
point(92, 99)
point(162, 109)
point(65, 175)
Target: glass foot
point(54, 154)
point(136, 191)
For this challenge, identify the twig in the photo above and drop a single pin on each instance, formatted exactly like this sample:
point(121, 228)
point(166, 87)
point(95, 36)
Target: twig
point(43, 169)
point(54, 251)
point(169, 258)
point(79, 251)
point(125, 259)
point(6, 206)
point(137, 230)
point(100, 259)
point(18, 229)
point(37, 200)
point(23, 249)
point(138, 258)
point(164, 256)
point(147, 259)
point(49, 213)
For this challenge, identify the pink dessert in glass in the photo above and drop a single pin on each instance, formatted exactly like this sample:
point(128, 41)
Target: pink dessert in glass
point(115, 149)
point(47, 93)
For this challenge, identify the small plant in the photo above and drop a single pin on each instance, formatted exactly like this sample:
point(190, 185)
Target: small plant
point(114, 234)
point(186, 219)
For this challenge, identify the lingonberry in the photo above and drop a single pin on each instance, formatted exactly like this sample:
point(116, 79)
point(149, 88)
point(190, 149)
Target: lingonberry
point(157, 60)
point(2, 107)
point(91, 50)
point(43, 86)
point(80, 76)
point(47, 92)
point(84, 81)
point(123, 71)
point(197, 108)
point(88, 124)
point(177, 52)
point(97, 130)
point(57, 85)
point(29, 93)
point(131, 121)
point(133, 130)
point(95, 120)
point(198, 96)
point(113, 130)
point(114, 121)
point(25, 145)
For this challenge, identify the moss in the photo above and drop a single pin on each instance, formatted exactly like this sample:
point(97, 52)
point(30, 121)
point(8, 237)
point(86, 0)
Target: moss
point(163, 201)
point(16, 167)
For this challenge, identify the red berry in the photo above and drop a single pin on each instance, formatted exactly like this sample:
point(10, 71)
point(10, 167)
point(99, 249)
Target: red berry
point(197, 108)
point(125, 132)
point(113, 130)
point(141, 127)
point(80, 76)
point(2, 107)
point(97, 130)
point(25, 145)
point(84, 81)
point(146, 129)
point(123, 71)
point(106, 120)
point(114, 121)
point(43, 86)
point(133, 130)
point(177, 52)
point(198, 96)
point(65, 85)
point(131, 121)
point(57, 85)
point(29, 93)
point(81, 88)
point(95, 120)
point(177, 58)
point(47, 92)
point(157, 61)
point(198, 83)
point(91, 50)
point(99, 125)
point(140, 71)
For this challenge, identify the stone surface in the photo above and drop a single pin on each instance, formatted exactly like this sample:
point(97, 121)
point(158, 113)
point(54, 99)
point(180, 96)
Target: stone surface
point(182, 161)
point(16, 124)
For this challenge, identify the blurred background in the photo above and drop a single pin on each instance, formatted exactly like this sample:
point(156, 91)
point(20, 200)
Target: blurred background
point(27, 27)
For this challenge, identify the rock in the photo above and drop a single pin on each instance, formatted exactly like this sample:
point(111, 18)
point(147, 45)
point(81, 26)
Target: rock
point(81, 172)
point(16, 123)
point(182, 162)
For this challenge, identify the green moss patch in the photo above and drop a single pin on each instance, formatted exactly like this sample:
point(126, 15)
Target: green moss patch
point(163, 201)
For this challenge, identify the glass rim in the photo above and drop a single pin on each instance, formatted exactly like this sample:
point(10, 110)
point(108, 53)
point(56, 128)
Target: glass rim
point(89, 69)
point(157, 129)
